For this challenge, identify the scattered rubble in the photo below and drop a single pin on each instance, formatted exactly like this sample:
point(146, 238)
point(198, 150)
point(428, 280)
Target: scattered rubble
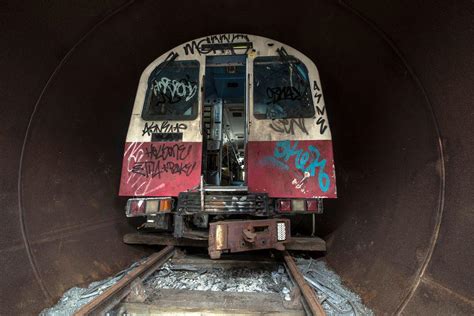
point(76, 297)
point(335, 298)
point(220, 279)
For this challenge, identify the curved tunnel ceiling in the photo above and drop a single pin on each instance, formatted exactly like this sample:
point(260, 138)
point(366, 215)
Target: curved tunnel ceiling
point(397, 80)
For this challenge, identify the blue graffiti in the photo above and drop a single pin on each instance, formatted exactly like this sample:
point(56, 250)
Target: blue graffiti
point(273, 162)
point(306, 161)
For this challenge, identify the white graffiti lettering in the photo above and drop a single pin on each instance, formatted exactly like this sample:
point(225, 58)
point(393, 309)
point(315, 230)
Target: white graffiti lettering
point(174, 88)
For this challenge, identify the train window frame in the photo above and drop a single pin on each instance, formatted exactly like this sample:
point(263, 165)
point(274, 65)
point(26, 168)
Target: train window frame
point(147, 116)
point(306, 112)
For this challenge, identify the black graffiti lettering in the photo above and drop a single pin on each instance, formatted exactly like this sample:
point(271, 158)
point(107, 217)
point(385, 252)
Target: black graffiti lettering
point(164, 127)
point(179, 168)
point(322, 125)
point(189, 48)
point(276, 126)
point(138, 169)
point(318, 93)
point(277, 94)
point(164, 152)
point(227, 38)
point(321, 121)
point(287, 125)
point(319, 111)
point(300, 124)
point(148, 169)
point(165, 159)
point(152, 169)
point(202, 46)
point(315, 86)
point(318, 97)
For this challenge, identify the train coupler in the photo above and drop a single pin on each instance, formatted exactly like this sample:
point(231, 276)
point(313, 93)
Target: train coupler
point(247, 235)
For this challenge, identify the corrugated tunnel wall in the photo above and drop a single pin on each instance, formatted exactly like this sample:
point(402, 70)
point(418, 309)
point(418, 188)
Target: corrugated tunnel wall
point(398, 82)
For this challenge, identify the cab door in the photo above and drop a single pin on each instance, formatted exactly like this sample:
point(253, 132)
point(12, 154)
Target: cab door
point(289, 151)
point(163, 151)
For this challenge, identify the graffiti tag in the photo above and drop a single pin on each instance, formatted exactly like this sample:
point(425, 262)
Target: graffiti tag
point(287, 125)
point(156, 168)
point(164, 127)
point(164, 151)
point(321, 121)
point(301, 184)
point(307, 161)
point(173, 91)
point(202, 49)
point(136, 153)
point(277, 94)
point(163, 159)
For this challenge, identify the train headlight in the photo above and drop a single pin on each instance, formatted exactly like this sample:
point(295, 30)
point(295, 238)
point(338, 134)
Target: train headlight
point(284, 205)
point(152, 206)
point(135, 207)
point(297, 205)
point(166, 205)
point(148, 206)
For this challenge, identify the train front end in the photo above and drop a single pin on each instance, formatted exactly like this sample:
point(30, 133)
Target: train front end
point(228, 142)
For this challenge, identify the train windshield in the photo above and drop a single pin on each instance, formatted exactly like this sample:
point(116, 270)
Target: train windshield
point(281, 88)
point(172, 91)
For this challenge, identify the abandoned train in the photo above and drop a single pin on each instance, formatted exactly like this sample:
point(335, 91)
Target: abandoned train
point(229, 137)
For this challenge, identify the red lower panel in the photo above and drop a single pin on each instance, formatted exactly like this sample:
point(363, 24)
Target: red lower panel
point(160, 169)
point(293, 169)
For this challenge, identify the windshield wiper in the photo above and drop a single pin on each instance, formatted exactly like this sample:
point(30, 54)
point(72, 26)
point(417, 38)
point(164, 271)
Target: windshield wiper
point(291, 61)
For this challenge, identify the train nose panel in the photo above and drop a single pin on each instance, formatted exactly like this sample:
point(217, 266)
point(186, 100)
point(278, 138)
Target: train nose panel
point(160, 168)
point(292, 169)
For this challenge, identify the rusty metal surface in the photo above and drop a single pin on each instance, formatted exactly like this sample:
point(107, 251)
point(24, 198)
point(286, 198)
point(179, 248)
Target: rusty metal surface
point(74, 298)
point(262, 162)
point(246, 235)
point(401, 229)
point(308, 293)
point(335, 298)
point(117, 292)
point(295, 243)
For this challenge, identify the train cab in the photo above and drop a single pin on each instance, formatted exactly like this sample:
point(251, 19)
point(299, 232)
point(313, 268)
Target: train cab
point(228, 140)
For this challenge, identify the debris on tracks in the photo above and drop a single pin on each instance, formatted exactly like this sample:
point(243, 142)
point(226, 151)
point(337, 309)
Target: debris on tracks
point(77, 297)
point(253, 280)
point(335, 298)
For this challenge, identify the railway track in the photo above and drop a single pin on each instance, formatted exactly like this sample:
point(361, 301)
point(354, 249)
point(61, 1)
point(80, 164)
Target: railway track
point(121, 298)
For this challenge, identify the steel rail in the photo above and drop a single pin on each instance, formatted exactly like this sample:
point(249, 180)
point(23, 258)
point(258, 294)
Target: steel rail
point(117, 292)
point(308, 294)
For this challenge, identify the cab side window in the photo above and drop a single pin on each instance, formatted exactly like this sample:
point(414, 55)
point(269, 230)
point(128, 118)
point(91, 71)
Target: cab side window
point(281, 89)
point(172, 93)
